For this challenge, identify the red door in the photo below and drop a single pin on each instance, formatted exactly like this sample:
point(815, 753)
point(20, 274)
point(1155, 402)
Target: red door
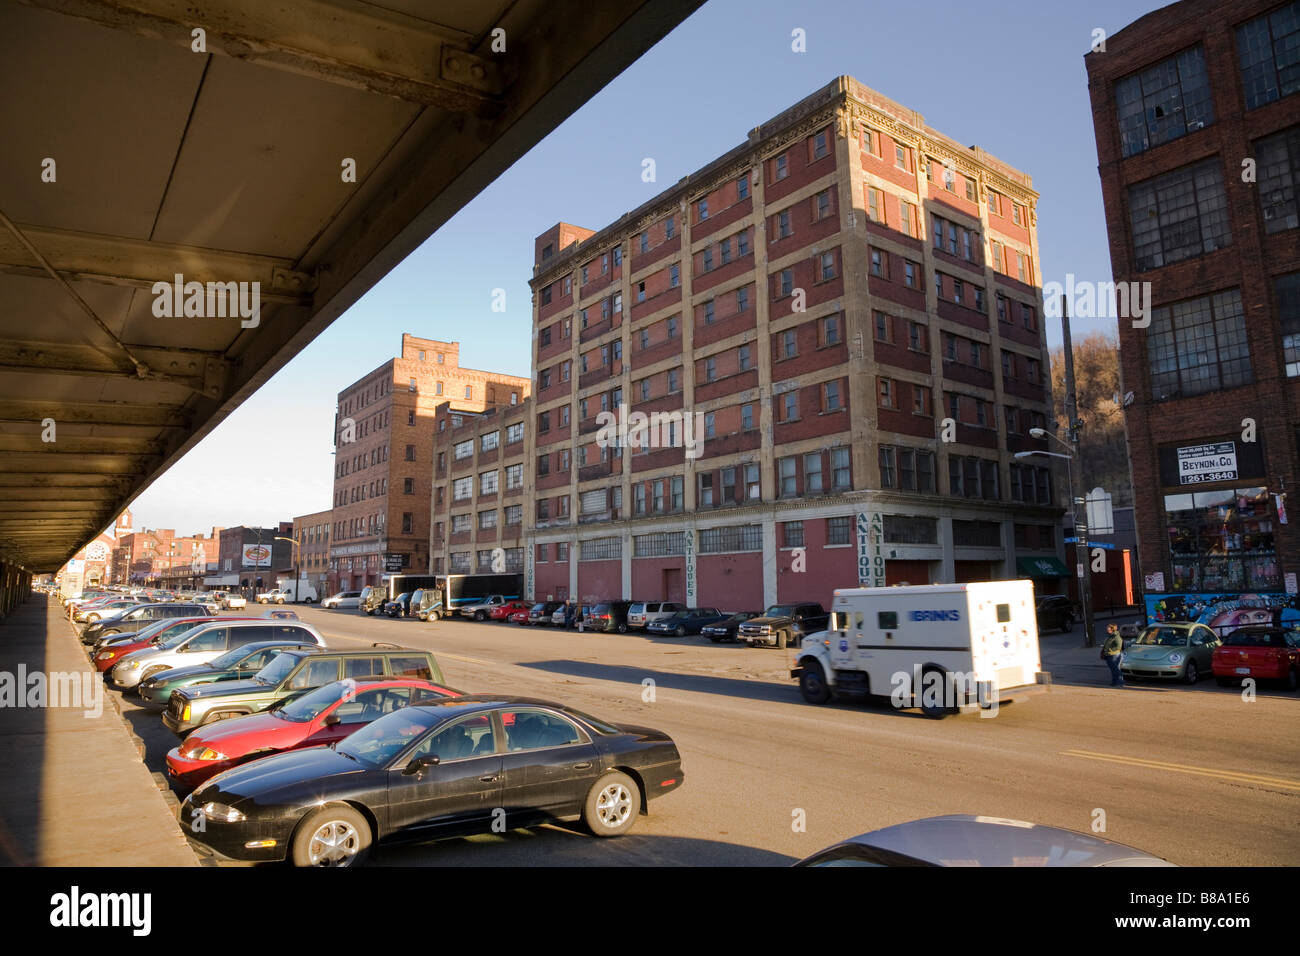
point(674, 589)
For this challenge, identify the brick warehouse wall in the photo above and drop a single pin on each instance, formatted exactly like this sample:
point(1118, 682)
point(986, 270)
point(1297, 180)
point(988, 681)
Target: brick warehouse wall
point(1250, 262)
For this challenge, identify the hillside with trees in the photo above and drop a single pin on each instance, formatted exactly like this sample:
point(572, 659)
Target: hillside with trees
point(1102, 445)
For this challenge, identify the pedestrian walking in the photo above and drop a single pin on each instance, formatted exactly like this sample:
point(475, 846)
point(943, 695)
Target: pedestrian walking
point(568, 614)
point(1110, 653)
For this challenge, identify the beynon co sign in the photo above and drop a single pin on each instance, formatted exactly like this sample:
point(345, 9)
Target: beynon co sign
point(1214, 461)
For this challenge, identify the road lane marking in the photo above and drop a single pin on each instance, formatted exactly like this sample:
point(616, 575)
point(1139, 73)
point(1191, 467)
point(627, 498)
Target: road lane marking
point(1230, 776)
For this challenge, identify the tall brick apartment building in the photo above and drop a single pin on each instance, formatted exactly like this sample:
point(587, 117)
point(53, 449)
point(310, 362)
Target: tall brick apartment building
point(383, 441)
point(481, 493)
point(824, 295)
point(1198, 141)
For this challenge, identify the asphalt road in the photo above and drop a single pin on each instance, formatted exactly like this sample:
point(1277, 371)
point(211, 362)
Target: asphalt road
point(1192, 774)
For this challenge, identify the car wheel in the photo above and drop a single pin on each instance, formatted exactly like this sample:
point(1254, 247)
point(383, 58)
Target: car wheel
point(332, 836)
point(1067, 625)
point(612, 805)
point(279, 600)
point(812, 684)
point(1292, 679)
point(622, 628)
point(680, 632)
point(480, 616)
point(1191, 675)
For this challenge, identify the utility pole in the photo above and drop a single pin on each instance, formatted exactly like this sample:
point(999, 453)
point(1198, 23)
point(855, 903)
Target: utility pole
point(1079, 506)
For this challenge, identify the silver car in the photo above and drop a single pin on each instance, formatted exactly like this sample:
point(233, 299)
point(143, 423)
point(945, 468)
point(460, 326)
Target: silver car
point(205, 643)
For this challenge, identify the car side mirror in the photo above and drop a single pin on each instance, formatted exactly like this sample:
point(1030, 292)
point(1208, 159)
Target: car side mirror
point(332, 719)
point(420, 764)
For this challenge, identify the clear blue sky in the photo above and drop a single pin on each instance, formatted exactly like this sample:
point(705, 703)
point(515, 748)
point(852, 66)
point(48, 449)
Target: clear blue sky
point(1008, 77)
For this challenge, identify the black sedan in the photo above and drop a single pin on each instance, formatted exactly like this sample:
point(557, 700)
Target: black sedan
point(1056, 611)
point(444, 768)
point(690, 621)
point(727, 629)
point(399, 606)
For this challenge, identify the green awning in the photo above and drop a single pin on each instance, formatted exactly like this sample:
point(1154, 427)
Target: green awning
point(1041, 568)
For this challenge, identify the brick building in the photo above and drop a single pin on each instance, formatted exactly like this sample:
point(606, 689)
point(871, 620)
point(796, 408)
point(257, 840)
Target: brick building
point(481, 494)
point(248, 558)
point(312, 534)
point(384, 456)
point(1198, 143)
point(848, 307)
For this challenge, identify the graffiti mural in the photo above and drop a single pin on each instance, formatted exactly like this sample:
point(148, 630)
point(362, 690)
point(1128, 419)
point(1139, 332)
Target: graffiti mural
point(1223, 612)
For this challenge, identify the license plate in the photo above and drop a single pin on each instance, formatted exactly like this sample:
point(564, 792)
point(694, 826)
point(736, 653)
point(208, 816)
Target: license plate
point(1243, 670)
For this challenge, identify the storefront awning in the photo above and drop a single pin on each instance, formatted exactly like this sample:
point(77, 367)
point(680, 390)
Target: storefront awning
point(1041, 568)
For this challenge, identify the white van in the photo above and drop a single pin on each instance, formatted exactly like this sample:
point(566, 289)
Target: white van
point(939, 647)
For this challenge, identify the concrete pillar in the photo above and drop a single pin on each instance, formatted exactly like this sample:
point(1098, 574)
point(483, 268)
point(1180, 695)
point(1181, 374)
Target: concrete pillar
point(948, 569)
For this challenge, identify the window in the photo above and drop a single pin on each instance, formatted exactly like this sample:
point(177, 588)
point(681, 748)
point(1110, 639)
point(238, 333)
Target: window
point(900, 157)
point(791, 404)
point(543, 509)
point(840, 469)
point(747, 537)
point(870, 141)
point(1278, 158)
point(411, 387)
point(1002, 308)
point(789, 345)
point(1286, 291)
point(821, 145)
point(742, 243)
point(514, 476)
point(742, 188)
point(786, 279)
point(970, 190)
point(742, 358)
point(752, 490)
point(407, 518)
point(708, 259)
point(1182, 214)
point(645, 242)
point(812, 473)
point(878, 263)
point(487, 483)
point(887, 396)
point(993, 203)
point(958, 292)
point(710, 369)
point(674, 276)
point(677, 494)
point(670, 227)
point(888, 467)
point(408, 486)
point(875, 203)
point(658, 488)
point(671, 325)
point(838, 530)
point(702, 210)
point(487, 520)
point(780, 168)
point(995, 255)
point(1199, 346)
point(708, 312)
point(1266, 55)
point(742, 299)
point(410, 453)
point(884, 328)
point(1163, 102)
point(747, 416)
point(821, 205)
point(618, 255)
point(490, 442)
point(920, 400)
point(792, 534)
point(1015, 213)
point(918, 339)
point(464, 449)
point(546, 296)
point(706, 490)
point(783, 224)
point(674, 380)
point(907, 218)
point(638, 497)
point(515, 433)
point(1008, 365)
point(831, 330)
point(564, 415)
point(786, 472)
point(826, 266)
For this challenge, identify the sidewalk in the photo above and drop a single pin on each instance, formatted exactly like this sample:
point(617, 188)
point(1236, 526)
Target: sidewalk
point(74, 791)
point(1071, 663)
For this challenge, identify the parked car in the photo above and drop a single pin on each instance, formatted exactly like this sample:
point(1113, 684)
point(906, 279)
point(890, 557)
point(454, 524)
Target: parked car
point(90, 613)
point(609, 616)
point(398, 606)
point(204, 643)
point(784, 624)
point(109, 650)
point(238, 664)
point(642, 613)
point(320, 717)
point(1263, 652)
point(541, 614)
point(1056, 611)
point(432, 770)
point(727, 630)
point(480, 609)
point(289, 675)
point(341, 600)
point(520, 616)
point(965, 840)
point(502, 611)
point(1181, 650)
point(426, 604)
point(690, 621)
point(234, 601)
point(129, 619)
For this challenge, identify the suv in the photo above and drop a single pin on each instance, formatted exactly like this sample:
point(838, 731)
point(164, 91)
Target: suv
point(541, 612)
point(1055, 610)
point(290, 674)
point(132, 619)
point(207, 642)
point(342, 599)
point(643, 612)
point(372, 598)
point(784, 624)
point(609, 616)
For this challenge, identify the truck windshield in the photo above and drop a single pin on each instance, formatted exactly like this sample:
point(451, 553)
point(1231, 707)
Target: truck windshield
point(277, 670)
point(781, 610)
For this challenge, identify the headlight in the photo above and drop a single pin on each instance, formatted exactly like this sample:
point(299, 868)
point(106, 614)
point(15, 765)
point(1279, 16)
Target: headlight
point(207, 753)
point(185, 714)
point(133, 665)
point(104, 656)
point(1175, 658)
point(222, 813)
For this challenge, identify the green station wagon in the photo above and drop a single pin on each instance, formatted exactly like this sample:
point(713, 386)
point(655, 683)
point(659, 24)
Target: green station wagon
point(290, 674)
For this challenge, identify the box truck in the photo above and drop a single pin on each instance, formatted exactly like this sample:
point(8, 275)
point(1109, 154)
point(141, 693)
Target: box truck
point(939, 647)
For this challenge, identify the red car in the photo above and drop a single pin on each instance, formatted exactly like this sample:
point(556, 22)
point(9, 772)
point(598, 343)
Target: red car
point(503, 611)
point(319, 717)
point(520, 616)
point(110, 654)
point(1264, 653)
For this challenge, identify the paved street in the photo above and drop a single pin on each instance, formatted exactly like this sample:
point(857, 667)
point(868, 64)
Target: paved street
point(1192, 774)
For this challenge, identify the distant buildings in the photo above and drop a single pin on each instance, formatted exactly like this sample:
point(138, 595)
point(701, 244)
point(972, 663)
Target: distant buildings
point(1198, 139)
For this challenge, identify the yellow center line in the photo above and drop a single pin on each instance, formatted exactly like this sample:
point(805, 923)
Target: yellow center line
point(1231, 776)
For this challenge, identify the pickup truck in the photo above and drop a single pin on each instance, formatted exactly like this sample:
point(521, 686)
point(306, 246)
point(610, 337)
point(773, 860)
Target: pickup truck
point(480, 609)
point(274, 596)
point(783, 625)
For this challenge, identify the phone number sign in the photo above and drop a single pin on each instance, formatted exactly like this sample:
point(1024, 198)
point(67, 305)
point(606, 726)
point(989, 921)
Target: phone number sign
point(1212, 462)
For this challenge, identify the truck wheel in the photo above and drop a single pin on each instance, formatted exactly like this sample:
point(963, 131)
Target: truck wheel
point(622, 628)
point(308, 601)
point(480, 616)
point(433, 615)
point(812, 684)
point(783, 639)
point(932, 710)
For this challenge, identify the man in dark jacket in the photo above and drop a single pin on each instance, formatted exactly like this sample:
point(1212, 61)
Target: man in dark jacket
point(1110, 653)
point(568, 614)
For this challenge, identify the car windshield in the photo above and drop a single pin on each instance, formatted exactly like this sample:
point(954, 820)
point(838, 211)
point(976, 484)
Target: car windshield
point(277, 670)
point(176, 633)
point(381, 741)
point(310, 706)
point(780, 610)
point(1256, 639)
point(1163, 637)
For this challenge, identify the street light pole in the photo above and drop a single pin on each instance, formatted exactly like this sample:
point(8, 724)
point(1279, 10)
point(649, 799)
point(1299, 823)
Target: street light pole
point(297, 582)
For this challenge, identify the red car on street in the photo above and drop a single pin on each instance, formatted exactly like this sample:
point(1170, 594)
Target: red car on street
point(1264, 653)
point(107, 654)
point(503, 611)
point(319, 717)
point(520, 616)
